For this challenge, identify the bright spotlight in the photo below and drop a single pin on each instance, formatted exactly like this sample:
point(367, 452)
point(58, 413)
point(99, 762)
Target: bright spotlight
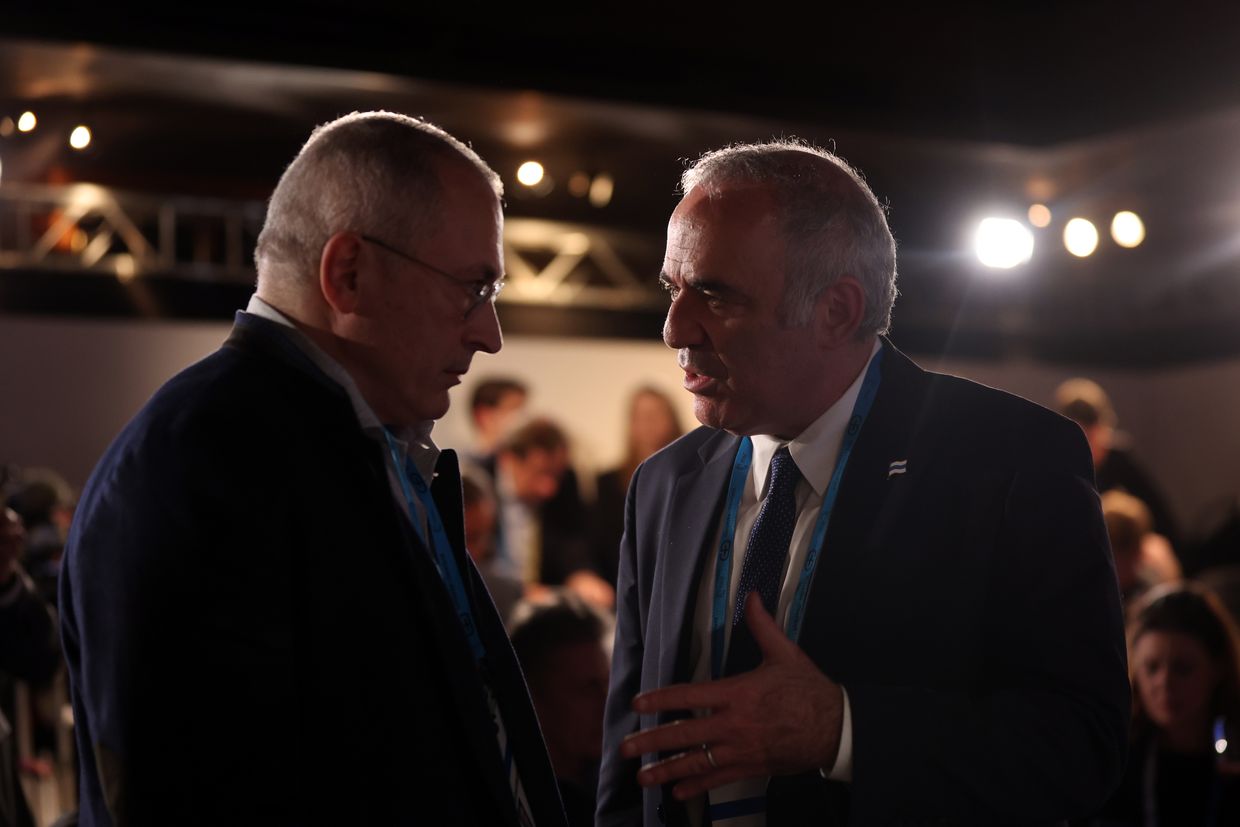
point(1002, 243)
point(530, 173)
point(1080, 237)
point(79, 138)
point(26, 122)
point(1127, 229)
point(1039, 215)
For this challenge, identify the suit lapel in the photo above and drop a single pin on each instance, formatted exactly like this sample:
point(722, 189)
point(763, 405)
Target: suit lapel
point(696, 507)
point(869, 491)
point(503, 671)
point(459, 669)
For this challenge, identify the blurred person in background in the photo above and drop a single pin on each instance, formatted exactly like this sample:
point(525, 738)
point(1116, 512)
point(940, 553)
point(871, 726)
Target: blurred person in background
point(563, 648)
point(45, 502)
point(542, 532)
point(481, 513)
point(29, 651)
point(1185, 668)
point(1087, 404)
point(1139, 565)
point(495, 405)
point(652, 423)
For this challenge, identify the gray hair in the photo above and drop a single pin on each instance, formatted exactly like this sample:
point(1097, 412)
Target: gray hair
point(373, 172)
point(831, 230)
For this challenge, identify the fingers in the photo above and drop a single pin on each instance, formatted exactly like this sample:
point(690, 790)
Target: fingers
point(693, 772)
point(687, 764)
point(709, 695)
point(676, 736)
point(771, 639)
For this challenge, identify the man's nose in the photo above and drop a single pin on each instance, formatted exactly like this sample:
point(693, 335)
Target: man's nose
point(482, 329)
point(680, 328)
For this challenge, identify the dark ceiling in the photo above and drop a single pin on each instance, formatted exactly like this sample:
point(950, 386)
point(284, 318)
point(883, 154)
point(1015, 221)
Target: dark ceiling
point(1030, 73)
point(951, 109)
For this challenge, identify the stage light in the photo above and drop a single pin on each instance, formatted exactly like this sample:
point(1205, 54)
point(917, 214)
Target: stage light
point(530, 173)
point(1080, 237)
point(601, 190)
point(7, 126)
point(79, 138)
point(1039, 215)
point(26, 122)
point(1127, 229)
point(1002, 243)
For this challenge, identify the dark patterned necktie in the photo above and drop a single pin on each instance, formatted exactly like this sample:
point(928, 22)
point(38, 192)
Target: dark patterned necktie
point(763, 569)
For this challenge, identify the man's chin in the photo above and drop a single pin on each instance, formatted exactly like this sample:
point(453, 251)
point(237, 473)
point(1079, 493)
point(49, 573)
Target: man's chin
point(711, 413)
point(428, 408)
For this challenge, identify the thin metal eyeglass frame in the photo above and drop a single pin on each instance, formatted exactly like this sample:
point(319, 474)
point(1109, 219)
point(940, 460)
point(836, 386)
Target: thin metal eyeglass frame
point(477, 298)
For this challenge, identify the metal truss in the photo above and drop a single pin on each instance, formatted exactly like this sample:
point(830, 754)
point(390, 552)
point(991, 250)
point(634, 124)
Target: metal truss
point(90, 228)
point(85, 227)
point(554, 263)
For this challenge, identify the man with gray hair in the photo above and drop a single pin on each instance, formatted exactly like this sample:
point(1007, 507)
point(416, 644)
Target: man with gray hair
point(863, 593)
point(268, 611)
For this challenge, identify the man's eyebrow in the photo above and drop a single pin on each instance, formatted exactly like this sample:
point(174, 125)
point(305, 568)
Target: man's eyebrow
point(700, 285)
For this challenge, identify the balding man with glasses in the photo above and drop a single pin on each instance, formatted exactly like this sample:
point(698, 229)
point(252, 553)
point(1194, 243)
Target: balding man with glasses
point(269, 614)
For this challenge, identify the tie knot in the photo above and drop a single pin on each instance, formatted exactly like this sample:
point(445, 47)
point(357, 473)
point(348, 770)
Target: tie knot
point(784, 472)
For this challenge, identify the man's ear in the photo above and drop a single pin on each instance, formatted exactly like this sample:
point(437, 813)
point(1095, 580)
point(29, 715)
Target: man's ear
point(839, 311)
point(338, 272)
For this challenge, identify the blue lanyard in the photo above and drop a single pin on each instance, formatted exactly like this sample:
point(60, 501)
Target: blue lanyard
point(740, 473)
point(449, 572)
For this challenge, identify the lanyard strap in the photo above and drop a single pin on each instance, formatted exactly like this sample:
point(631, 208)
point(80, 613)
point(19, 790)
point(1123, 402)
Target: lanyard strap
point(411, 483)
point(740, 473)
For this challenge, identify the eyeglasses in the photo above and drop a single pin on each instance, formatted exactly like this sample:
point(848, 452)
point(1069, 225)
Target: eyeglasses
point(480, 290)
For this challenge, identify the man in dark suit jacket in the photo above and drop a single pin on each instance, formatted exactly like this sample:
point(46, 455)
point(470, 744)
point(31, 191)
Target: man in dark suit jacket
point(268, 611)
point(938, 637)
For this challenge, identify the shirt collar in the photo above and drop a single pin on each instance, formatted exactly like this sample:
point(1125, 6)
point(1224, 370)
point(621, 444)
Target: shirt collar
point(816, 448)
point(413, 441)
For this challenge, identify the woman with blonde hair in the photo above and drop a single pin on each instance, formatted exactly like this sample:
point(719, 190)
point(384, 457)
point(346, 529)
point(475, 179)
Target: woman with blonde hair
point(653, 423)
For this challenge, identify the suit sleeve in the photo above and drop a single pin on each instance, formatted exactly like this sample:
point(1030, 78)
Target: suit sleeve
point(176, 626)
point(619, 795)
point(1043, 734)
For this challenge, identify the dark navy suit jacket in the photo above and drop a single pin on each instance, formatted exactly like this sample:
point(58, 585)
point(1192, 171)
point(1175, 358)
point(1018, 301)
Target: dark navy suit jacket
point(256, 636)
point(969, 607)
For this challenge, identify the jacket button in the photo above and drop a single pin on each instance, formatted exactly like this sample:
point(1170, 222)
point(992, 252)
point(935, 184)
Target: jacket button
point(659, 812)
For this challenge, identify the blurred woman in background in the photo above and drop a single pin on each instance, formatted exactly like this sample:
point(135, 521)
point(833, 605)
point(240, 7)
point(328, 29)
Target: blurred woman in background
point(653, 423)
point(1185, 670)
